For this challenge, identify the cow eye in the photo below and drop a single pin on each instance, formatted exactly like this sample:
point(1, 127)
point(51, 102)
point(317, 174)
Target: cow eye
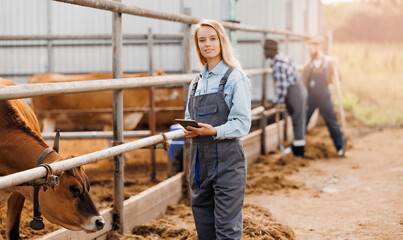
point(75, 190)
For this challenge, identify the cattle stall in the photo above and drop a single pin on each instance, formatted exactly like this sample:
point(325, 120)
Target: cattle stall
point(265, 137)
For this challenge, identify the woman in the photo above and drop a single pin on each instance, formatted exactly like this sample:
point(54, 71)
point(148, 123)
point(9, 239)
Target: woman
point(219, 100)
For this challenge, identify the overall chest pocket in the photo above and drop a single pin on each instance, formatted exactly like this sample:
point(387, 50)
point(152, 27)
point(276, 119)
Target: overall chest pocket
point(207, 110)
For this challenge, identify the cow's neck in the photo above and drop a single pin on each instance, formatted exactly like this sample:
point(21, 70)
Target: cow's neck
point(20, 151)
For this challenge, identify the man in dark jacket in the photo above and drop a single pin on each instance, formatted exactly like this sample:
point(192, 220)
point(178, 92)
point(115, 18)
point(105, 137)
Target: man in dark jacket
point(291, 91)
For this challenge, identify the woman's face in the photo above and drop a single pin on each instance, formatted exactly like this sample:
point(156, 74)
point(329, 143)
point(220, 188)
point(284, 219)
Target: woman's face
point(208, 42)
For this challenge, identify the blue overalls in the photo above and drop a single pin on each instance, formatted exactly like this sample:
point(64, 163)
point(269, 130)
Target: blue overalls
point(319, 97)
point(217, 170)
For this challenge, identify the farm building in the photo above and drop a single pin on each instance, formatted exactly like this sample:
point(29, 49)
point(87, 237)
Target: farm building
point(55, 37)
point(74, 39)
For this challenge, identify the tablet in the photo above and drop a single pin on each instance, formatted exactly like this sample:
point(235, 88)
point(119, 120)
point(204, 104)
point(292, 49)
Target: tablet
point(185, 123)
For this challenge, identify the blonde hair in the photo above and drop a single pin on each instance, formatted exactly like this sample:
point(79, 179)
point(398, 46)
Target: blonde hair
point(227, 52)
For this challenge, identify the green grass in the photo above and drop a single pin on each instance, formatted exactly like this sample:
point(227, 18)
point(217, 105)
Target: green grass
point(372, 81)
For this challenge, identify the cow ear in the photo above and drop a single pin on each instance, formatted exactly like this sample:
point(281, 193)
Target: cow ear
point(87, 183)
point(56, 141)
point(71, 172)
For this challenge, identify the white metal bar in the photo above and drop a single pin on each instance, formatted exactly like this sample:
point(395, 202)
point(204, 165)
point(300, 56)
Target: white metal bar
point(257, 111)
point(49, 43)
point(57, 167)
point(158, 36)
point(95, 134)
point(118, 163)
point(45, 89)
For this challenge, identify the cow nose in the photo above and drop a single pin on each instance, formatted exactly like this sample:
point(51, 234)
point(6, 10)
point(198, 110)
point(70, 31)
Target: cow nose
point(99, 223)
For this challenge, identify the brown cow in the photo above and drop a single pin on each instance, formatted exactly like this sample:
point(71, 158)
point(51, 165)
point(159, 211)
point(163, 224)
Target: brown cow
point(89, 110)
point(69, 203)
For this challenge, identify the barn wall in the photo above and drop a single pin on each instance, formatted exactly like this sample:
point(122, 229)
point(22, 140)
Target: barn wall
point(30, 17)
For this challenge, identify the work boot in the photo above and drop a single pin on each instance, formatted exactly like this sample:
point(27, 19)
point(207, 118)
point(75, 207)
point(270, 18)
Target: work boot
point(288, 150)
point(298, 151)
point(341, 152)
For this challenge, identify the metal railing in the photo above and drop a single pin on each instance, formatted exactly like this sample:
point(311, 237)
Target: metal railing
point(32, 90)
point(57, 167)
point(47, 89)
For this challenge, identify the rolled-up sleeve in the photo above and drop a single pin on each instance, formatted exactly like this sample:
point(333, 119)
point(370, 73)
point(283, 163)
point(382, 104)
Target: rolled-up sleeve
point(239, 117)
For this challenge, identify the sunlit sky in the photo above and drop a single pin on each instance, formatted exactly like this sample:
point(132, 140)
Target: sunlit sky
point(336, 1)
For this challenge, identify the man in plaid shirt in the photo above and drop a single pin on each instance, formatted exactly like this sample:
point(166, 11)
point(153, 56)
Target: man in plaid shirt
point(283, 73)
point(291, 91)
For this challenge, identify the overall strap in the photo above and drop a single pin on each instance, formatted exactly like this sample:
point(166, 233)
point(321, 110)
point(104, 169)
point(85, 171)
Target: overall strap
point(224, 80)
point(322, 65)
point(192, 93)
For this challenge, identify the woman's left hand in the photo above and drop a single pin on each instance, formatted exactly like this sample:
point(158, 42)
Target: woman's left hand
point(205, 129)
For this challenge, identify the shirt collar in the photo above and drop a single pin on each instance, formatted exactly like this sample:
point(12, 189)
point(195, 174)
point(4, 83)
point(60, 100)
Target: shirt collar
point(219, 68)
point(279, 57)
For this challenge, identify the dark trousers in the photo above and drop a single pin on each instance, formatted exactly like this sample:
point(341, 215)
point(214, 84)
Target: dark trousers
point(325, 106)
point(296, 107)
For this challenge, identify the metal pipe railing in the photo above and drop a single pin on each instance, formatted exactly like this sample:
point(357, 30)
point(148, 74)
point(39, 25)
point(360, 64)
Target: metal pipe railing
point(175, 17)
point(95, 134)
point(158, 36)
point(45, 89)
point(57, 167)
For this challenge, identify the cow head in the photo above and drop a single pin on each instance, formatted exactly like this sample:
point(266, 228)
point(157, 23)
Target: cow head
point(70, 204)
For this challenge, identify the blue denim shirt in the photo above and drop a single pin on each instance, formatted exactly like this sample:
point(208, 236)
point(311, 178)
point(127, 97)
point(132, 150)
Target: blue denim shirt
point(237, 97)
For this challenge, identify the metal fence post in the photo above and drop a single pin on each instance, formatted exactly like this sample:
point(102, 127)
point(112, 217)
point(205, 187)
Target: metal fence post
point(151, 115)
point(49, 67)
point(186, 69)
point(118, 163)
point(285, 113)
point(287, 44)
point(263, 120)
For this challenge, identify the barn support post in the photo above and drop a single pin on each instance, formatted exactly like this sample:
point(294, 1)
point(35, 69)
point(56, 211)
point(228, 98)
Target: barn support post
point(151, 114)
point(118, 163)
point(263, 120)
point(186, 69)
point(49, 66)
point(287, 44)
point(285, 113)
point(285, 117)
point(330, 43)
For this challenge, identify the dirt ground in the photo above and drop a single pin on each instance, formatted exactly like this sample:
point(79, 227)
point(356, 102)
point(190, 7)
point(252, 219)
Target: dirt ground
point(357, 197)
point(321, 196)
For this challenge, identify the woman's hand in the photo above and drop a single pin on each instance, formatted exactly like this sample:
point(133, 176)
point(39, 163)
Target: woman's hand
point(190, 134)
point(205, 129)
